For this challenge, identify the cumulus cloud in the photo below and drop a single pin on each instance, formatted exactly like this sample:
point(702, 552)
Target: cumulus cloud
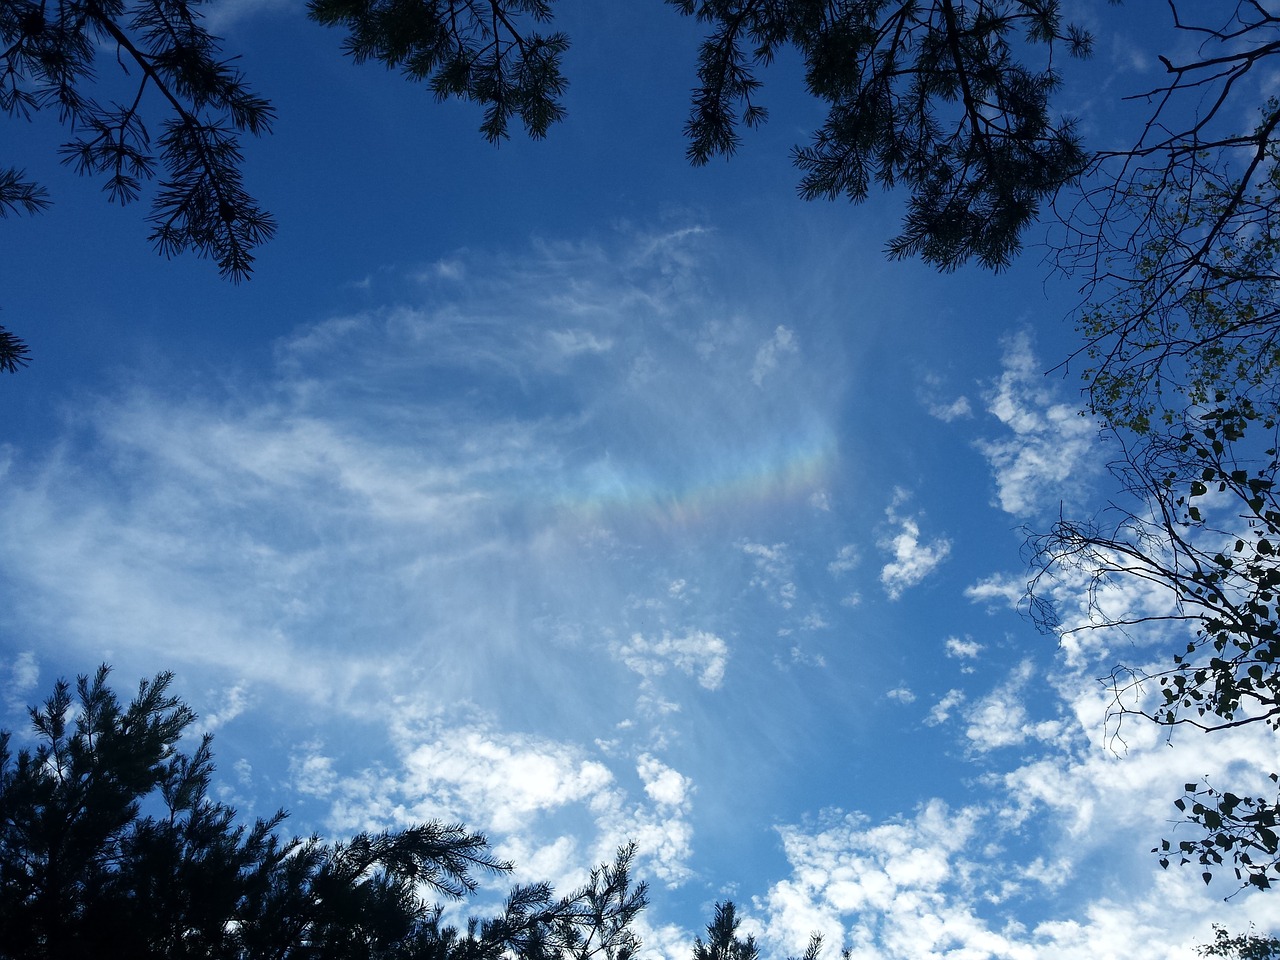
point(921, 886)
point(913, 559)
point(662, 784)
point(502, 780)
point(852, 868)
point(522, 789)
point(454, 769)
point(1051, 446)
point(814, 621)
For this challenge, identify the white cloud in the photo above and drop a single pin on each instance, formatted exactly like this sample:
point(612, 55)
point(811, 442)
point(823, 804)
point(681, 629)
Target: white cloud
point(1007, 589)
point(492, 779)
point(773, 571)
point(783, 343)
point(912, 888)
point(774, 556)
point(941, 711)
point(23, 675)
point(1051, 448)
point(313, 772)
point(849, 867)
point(847, 558)
point(663, 785)
point(232, 704)
point(521, 789)
point(257, 528)
point(931, 393)
point(571, 343)
point(814, 621)
point(696, 653)
point(965, 649)
point(957, 409)
point(503, 781)
point(221, 16)
point(363, 529)
point(1001, 719)
point(947, 880)
point(801, 657)
point(913, 560)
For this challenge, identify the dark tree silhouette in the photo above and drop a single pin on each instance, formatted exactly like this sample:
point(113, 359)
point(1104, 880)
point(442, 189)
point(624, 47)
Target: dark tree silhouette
point(111, 846)
point(723, 942)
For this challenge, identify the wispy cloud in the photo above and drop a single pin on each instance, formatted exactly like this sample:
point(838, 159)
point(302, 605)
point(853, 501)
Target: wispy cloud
point(222, 16)
point(998, 590)
point(20, 675)
point(524, 492)
point(518, 548)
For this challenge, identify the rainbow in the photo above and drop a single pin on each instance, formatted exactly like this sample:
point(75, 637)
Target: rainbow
point(763, 478)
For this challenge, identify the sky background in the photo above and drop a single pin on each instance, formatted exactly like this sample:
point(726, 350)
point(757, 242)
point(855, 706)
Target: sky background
point(583, 496)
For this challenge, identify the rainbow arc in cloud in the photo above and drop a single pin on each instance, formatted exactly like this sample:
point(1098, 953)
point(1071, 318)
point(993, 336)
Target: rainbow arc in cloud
point(721, 484)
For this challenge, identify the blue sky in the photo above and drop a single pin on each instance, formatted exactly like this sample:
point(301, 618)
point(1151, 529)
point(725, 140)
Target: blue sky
point(583, 496)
